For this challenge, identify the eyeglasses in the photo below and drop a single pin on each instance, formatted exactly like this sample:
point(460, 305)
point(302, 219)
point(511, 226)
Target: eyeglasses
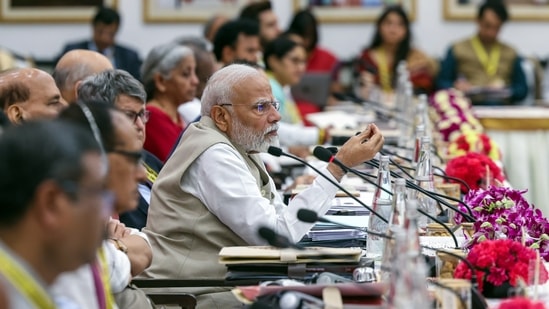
point(260, 107)
point(143, 115)
point(136, 157)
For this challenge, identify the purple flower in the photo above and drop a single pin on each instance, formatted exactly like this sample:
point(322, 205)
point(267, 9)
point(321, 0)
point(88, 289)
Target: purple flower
point(502, 212)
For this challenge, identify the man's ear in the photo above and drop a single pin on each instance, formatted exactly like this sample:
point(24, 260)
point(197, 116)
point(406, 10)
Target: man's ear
point(50, 205)
point(75, 90)
point(16, 114)
point(227, 54)
point(221, 117)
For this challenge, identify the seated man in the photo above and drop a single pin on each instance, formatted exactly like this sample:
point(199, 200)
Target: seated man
point(126, 94)
point(484, 68)
point(105, 25)
point(214, 190)
point(27, 94)
point(126, 252)
point(73, 67)
point(237, 40)
point(52, 218)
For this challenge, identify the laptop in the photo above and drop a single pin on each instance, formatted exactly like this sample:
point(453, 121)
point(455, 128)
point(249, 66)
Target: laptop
point(314, 88)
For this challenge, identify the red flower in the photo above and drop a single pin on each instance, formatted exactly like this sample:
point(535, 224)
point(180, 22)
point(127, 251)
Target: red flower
point(520, 303)
point(499, 261)
point(471, 167)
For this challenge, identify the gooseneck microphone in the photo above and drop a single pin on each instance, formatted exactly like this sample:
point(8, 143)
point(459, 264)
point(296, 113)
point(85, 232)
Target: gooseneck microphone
point(410, 184)
point(277, 152)
point(325, 155)
point(443, 174)
point(276, 240)
point(309, 216)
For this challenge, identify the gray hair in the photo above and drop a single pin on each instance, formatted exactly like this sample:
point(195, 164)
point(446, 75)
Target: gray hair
point(220, 86)
point(162, 59)
point(196, 42)
point(66, 77)
point(108, 85)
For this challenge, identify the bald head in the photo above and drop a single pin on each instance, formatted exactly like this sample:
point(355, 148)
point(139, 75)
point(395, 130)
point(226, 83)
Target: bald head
point(29, 93)
point(76, 65)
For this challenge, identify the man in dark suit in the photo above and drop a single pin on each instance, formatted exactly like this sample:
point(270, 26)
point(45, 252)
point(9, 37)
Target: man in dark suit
point(105, 26)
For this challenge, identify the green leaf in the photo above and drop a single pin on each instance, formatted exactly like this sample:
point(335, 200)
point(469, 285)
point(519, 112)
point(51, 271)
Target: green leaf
point(485, 225)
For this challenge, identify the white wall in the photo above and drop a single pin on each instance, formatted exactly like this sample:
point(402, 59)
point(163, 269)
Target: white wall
point(431, 32)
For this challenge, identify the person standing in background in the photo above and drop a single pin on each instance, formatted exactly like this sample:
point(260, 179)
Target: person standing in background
point(105, 24)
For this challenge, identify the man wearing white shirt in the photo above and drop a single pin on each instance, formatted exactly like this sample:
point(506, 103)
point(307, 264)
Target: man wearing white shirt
point(214, 190)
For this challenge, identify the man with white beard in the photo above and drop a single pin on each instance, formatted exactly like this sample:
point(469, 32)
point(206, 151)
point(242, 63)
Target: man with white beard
point(214, 190)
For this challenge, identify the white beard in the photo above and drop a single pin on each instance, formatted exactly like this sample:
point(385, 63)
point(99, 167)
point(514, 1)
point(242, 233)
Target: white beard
point(248, 138)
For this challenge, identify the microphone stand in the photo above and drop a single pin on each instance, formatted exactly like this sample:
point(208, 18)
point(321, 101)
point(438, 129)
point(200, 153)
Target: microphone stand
point(327, 156)
point(309, 216)
point(469, 217)
point(275, 151)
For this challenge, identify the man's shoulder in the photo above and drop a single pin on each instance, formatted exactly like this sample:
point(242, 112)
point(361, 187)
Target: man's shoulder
point(508, 48)
point(125, 49)
point(461, 43)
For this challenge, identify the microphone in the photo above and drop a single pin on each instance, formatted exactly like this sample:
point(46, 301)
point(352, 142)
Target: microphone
point(275, 151)
point(444, 175)
point(276, 240)
point(434, 195)
point(327, 156)
point(309, 216)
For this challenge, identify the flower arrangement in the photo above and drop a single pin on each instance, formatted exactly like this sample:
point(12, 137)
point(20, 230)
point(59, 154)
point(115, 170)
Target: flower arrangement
point(504, 212)
point(473, 168)
point(452, 115)
point(499, 261)
point(520, 303)
point(472, 141)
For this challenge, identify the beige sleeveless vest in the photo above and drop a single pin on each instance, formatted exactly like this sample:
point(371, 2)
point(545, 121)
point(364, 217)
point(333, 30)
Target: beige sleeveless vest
point(471, 68)
point(185, 236)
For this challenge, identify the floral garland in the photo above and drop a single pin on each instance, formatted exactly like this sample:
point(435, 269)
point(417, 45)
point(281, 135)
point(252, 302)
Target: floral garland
point(499, 261)
point(472, 141)
point(452, 115)
point(504, 213)
point(471, 168)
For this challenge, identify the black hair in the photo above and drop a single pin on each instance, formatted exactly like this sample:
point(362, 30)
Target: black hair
point(305, 25)
point(254, 9)
point(496, 6)
point(34, 152)
point(278, 48)
point(107, 16)
point(227, 35)
point(101, 112)
point(405, 46)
